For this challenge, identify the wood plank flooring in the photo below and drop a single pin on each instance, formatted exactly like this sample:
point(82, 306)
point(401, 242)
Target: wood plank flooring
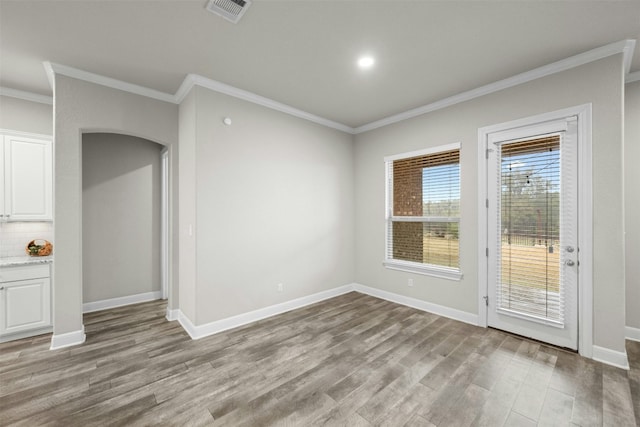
point(353, 360)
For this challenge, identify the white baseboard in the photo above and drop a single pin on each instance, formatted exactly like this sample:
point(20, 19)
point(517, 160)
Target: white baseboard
point(68, 339)
point(632, 334)
point(201, 331)
point(440, 310)
point(611, 357)
point(172, 314)
point(188, 326)
point(88, 307)
point(600, 354)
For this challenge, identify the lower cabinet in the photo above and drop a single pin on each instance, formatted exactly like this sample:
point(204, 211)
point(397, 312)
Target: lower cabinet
point(25, 301)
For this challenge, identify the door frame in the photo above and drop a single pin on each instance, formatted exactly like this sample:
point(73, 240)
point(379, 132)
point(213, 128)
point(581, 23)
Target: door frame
point(585, 216)
point(164, 223)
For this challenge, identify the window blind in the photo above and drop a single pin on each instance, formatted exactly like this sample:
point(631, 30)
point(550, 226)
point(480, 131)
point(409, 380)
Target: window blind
point(424, 209)
point(529, 215)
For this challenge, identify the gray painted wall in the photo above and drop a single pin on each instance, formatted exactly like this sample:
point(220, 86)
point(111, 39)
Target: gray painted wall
point(599, 83)
point(26, 116)
point(121, 178)
point(85, 107)
point(632, 201)
point(273, 204)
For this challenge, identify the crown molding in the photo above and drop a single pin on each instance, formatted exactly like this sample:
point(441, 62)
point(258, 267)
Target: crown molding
point(108, 82)
point(27, 96)
point(193, 79)
point(187, 84)
point(632, 77)
point(625, 47)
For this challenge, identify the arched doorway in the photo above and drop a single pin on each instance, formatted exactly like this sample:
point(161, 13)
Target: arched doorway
point(124, 231)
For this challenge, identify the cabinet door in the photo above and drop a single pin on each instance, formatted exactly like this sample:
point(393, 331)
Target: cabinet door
point(28, 179)
point(25, 305)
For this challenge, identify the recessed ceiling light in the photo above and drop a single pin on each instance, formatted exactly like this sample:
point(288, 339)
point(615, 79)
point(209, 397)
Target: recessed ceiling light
point(366, 62)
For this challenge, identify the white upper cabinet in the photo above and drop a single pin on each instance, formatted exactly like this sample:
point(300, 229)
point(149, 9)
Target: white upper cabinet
point(26, 178)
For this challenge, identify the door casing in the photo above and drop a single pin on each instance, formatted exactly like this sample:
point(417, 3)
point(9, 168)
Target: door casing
point(585, 216)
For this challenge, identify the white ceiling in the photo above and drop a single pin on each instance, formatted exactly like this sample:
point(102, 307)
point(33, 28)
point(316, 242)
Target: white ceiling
point(303, 53)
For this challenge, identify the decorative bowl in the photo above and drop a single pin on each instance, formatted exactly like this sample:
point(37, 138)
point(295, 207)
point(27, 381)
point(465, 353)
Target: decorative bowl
point(39, 247)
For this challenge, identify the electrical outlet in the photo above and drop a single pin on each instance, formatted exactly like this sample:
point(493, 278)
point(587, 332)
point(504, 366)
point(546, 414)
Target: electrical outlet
point(280, 287)
point(410, 282)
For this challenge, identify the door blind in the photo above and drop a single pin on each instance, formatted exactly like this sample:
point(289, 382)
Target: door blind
point(529, 212)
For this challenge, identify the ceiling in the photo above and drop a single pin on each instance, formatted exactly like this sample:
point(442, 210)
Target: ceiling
point(303, 53)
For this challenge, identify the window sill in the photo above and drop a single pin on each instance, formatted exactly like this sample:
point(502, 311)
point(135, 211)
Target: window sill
point(424, 269)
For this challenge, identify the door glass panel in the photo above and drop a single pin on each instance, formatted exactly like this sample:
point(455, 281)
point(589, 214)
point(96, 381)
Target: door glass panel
point(529, 282)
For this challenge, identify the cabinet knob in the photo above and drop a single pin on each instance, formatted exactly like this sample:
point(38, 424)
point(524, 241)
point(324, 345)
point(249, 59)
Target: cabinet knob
point(1, 288)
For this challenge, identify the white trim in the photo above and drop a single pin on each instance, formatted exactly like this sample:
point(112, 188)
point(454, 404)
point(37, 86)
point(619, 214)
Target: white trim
point(539, 130)
point(216, 86)
point(624, 46)
point(172, 315)
point(187, 84)
point(429, 307)
point(631, 333)
point(424, 152)
point(611, 357)
point(26, 134)
point(164, 223)
point(109, 82)
point(585, 232)
point(585, 212)
point(601, 354)
point(424, 269)
point(632, 77)
point(483, 229)
point(27, 96)
point(201, 331)
point(188, 326)
point(105, 304)
point(67, 340)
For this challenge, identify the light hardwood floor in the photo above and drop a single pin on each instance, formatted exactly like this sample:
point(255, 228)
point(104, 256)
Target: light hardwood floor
point(353, 360)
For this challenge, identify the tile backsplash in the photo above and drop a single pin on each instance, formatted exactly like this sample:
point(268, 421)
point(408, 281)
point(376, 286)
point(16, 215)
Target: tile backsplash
point(14, 236)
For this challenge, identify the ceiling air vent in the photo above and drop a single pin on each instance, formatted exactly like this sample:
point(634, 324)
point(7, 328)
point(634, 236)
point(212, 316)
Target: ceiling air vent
point(231, 10)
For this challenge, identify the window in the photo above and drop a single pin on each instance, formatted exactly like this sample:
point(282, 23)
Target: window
point(423, 212)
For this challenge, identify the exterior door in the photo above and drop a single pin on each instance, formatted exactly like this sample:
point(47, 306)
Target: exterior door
point(532, 231)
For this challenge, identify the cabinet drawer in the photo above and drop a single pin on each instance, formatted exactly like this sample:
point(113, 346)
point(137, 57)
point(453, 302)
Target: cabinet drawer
point(27, 272)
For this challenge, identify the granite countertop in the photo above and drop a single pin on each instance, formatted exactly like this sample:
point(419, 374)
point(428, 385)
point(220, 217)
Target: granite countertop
point(25, 260)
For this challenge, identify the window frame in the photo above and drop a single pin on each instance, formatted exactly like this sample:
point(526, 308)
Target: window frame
point(433, 270)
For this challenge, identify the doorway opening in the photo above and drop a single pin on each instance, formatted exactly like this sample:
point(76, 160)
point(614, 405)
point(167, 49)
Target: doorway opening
point(124, 186)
